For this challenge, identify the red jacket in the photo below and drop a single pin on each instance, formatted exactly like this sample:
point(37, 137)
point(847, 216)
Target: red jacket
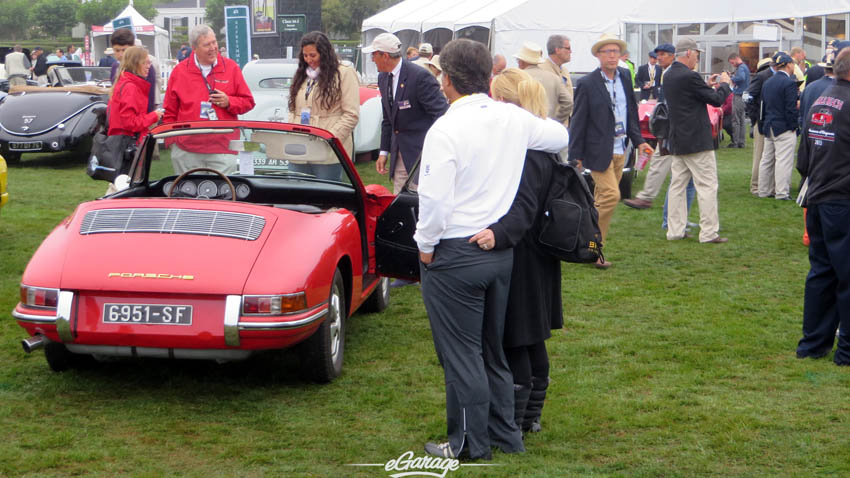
point(187, 88)
point(128, 107)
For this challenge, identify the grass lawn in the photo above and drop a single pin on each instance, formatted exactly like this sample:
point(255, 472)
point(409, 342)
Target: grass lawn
point(677, 362)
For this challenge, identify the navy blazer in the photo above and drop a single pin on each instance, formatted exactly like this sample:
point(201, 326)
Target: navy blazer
point(418, 102)
point(642, 76)
point(779, 100)
point(687, 94)
point(592, 123)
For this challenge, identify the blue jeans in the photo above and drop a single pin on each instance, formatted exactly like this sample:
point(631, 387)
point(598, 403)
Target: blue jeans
point(692, 191)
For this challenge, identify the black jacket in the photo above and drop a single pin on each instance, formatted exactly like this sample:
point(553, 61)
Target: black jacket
point(779, 98)
point(40, 68)
point(753, 101)
point(825, 141)
point(642, 77)
point(534, 301)
point(592, 123)
point(418, 102)
point(687, 94)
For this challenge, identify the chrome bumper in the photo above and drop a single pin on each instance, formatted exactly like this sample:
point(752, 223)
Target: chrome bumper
point(232, 324)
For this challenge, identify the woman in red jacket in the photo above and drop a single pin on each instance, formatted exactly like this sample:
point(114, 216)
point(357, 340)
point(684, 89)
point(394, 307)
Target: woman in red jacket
point(128, 100)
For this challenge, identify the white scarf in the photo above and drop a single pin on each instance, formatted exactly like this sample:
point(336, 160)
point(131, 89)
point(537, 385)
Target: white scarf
point(312, 74)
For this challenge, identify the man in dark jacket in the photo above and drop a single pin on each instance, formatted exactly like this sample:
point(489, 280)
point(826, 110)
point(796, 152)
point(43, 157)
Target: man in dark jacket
point(604, 120)
point(648, 77)
point(411, 101)
point(752, 98)
point(691, 143)
point(779, 127)
point(826, 165)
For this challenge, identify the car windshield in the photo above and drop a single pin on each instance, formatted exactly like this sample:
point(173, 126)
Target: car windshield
point(286, 155)
point(84, 75)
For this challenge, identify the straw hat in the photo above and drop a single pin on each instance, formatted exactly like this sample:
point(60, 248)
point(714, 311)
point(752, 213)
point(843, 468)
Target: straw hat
point(608, 39)
point(108, 51)
point(530, 53)
point(435, 62)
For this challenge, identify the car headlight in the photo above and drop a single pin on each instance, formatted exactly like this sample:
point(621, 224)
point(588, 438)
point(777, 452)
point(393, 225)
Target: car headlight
point(39, 297)
point(273, 304)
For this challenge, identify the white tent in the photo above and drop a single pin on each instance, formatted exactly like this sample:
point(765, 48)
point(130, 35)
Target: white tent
point(156, 39)
point(505, 24)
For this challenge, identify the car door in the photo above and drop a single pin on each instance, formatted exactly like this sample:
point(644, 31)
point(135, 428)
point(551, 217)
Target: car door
point(396, 253)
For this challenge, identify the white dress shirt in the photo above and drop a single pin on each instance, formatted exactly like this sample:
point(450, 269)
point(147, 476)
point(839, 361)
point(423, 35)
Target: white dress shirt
point(472, 161)
point(396, 71)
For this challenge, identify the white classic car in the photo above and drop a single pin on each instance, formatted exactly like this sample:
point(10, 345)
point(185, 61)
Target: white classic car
point(269, 81)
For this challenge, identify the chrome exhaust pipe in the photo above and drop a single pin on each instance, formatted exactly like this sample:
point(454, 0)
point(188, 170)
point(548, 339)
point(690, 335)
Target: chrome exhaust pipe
point(33, 343)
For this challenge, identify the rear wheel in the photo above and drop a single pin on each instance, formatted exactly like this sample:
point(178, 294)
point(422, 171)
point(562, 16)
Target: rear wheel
point(58, 357)
point(322, 353)
point(12, 158)
point(380, 298)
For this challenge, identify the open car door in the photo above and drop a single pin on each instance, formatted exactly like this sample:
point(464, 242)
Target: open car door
point(396, 253)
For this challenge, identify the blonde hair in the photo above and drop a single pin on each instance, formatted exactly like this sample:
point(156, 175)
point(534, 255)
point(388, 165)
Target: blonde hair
point(133, 61)
point(515, 86)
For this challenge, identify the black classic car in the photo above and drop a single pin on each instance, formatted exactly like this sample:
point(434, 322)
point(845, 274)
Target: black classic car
point(49, 119)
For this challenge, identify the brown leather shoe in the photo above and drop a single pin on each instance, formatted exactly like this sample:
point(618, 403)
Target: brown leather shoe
point(638, 203)
point(686, 236)
point(602, 264)
point(717, 240)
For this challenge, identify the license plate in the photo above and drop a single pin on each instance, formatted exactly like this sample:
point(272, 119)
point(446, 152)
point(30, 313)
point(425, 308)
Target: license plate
point(25, 146)
point(147, 314)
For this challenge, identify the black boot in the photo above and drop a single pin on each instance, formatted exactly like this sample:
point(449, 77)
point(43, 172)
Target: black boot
point(531, 421)
point(521, 394)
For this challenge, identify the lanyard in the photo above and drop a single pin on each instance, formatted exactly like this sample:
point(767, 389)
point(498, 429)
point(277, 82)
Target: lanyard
point(210, 89)
point(310, 84)
point(612, 90)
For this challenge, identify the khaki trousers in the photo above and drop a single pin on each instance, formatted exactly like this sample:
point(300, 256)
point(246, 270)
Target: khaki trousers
point(183, 161)
point(399, 175)
point(777, 164)
point(607, 191)
point(758, 149)
point(702, 167)
point(659, 168)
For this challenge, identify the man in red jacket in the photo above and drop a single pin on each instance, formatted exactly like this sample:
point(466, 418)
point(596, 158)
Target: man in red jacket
point(205, 86)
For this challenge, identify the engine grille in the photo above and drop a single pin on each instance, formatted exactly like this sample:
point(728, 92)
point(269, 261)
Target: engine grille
point(174, 221)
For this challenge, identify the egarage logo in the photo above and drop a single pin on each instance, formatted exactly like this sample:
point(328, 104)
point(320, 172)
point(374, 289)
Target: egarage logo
point(410, 465)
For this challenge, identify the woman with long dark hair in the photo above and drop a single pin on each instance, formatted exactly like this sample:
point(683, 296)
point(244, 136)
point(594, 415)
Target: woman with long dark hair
point(324, 94)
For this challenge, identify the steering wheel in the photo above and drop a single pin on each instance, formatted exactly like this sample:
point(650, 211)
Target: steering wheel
point(222, 175)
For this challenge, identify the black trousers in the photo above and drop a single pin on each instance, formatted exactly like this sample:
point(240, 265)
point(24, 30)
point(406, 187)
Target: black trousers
point(528, 361)
point(827, 299)
point(465, 290)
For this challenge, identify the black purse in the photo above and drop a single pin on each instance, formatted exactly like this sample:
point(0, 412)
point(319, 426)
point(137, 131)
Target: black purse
point(110, 155)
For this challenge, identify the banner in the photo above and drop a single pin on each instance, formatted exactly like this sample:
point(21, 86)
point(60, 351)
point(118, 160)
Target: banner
point(262, 20)
point(238, 34)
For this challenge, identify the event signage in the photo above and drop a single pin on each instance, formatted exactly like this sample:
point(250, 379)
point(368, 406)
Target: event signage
point(262, 20)
point(236, 19)
point(764, 32)
point(292, 23)
point(123, 22)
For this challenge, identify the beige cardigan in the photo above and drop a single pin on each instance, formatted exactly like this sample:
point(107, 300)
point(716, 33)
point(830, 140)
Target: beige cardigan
point(341, 118)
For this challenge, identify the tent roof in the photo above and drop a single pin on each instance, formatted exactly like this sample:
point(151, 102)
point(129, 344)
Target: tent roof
point(140, 24)
point(676, 11)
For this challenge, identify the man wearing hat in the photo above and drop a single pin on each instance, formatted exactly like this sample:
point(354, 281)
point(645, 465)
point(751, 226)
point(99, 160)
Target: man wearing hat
point(529, 59)
point(690, 143)
point(604, 121)
point(780, 121)
point(648, 77)
point(411, 101)
point(752, 98)
point(108, 59)
point(426, 51)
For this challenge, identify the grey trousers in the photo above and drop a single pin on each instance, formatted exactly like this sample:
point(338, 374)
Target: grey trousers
point(739, 121)
point(465, 290)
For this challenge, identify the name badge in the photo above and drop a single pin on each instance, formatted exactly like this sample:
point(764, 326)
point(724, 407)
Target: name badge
point(619, 129)
point(207, 111)
point(404, 104)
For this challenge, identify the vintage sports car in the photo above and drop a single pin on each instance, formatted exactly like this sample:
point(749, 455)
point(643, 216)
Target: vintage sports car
point(645, 108)
point(269, 81)
point(263, 238)
point(45, 119)
point(4, 195)
point(79, 75)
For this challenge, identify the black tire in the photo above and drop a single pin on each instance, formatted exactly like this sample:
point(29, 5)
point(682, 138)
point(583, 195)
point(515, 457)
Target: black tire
point(380, 298)
point(58, 357)
point(322, 354)
point(12, 158)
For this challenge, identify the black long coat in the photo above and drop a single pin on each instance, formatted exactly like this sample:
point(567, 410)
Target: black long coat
point(687, 94)
point(534, 301)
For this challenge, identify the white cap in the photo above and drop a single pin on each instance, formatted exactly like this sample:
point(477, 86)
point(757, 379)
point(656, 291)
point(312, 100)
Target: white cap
point(426, 48)
point(385, 42)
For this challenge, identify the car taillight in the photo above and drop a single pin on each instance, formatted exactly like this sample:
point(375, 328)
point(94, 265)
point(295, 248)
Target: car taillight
point(273, 304)
point(39, 297)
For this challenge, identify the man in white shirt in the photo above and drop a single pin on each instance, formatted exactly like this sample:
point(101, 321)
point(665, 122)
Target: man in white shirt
point(472, 160)
point(17, 67)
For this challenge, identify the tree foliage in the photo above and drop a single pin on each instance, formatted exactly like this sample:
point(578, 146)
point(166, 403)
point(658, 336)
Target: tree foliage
point(13, 20)
point(215, 12)
point(98, 12)
point(53, 17)
point(346, 16)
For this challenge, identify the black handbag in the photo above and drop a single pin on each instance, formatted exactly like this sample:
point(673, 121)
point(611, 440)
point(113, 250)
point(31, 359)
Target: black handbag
point(110, 155)
point(569, 226)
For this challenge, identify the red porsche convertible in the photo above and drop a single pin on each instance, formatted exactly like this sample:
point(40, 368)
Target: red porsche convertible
point(254, 236)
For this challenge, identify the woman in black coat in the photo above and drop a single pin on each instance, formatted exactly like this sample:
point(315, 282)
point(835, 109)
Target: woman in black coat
point(534, 302)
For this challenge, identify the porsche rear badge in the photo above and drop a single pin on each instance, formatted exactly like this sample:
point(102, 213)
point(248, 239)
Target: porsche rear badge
point(145, 275)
